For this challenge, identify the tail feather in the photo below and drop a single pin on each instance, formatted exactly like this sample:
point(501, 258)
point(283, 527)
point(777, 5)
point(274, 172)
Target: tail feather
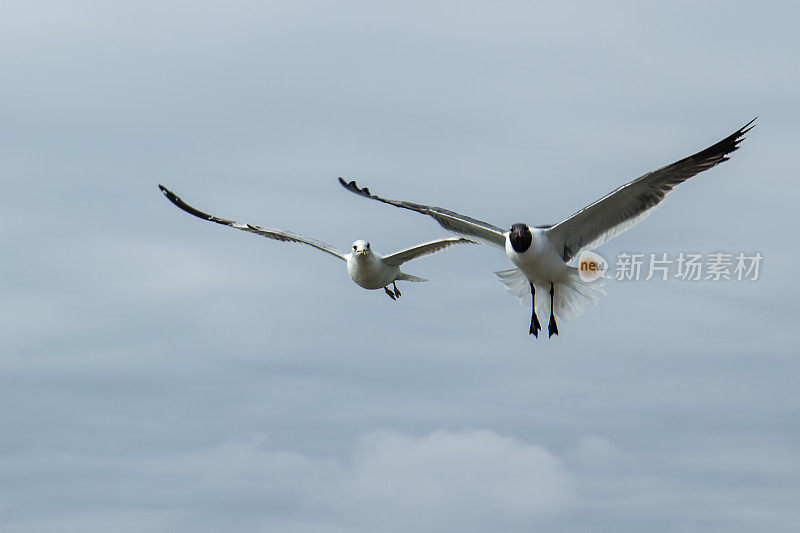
point(516, 283)
point(572, 295)
point(409, 277)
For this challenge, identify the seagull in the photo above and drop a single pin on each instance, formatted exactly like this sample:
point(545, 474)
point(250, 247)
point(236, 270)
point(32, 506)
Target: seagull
point(541, 253)
point(367, 268)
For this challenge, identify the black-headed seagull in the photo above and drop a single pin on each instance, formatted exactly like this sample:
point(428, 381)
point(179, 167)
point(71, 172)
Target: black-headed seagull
point(365, 267)
point(541, 253)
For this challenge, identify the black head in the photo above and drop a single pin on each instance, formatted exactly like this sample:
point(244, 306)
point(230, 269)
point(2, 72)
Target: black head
point(520, 237)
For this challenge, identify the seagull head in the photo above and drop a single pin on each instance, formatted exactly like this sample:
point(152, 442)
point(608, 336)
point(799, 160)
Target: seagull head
point(361, 248)
point(520, 237)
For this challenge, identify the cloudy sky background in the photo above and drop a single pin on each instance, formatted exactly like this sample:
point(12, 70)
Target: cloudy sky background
point(160, 373)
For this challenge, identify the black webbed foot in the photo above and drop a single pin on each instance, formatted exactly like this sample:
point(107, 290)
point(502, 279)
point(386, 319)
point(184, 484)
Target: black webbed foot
point(390, 293)
point(535, 326)
point(396, 290)
point(552, 328)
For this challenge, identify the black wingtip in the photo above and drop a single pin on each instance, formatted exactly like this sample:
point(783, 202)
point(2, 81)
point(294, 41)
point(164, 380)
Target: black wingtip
point(172, 197)
point(352, 186)
point(739, 136)
point(747, 127)
point(168, 193)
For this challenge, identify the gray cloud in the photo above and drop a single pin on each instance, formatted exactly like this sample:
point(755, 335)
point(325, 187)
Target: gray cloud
point(390, 482)
point(467, 480)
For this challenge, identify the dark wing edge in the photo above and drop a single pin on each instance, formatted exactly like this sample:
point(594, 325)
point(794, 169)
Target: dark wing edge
point(276, 234)
point(421, 250)
point(449, 220)
point(627, 205)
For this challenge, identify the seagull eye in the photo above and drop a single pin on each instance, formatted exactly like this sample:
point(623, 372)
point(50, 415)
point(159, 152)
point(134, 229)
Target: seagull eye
point(354, 247)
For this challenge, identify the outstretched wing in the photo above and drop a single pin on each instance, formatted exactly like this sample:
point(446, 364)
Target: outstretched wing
point(277, 234)
point(449, 220)
point(403, 256)
point(630, 204)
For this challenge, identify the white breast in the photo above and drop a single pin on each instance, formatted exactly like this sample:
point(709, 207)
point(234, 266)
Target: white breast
point(370, 272)
point(541, 262)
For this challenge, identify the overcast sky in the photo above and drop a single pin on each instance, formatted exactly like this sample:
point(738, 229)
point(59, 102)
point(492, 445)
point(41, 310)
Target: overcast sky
point(160, 373)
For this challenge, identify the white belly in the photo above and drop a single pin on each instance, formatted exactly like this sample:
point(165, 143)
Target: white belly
point(371, 272)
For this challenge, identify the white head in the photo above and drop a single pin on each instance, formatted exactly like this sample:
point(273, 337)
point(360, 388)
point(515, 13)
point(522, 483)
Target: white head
point(361, 248)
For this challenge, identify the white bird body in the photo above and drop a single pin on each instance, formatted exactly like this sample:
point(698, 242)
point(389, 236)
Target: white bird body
point(541, 262)
point(369, 269)
point(365, 267)
point(541, 254)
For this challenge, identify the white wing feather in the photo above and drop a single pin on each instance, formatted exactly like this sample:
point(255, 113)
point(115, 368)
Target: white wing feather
point(276, 234)
point(403, 256)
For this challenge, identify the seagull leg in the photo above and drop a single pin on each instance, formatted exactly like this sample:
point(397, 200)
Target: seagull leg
point(535, 326)
point(552, 329)
point(396, 290)
point(390, 293)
